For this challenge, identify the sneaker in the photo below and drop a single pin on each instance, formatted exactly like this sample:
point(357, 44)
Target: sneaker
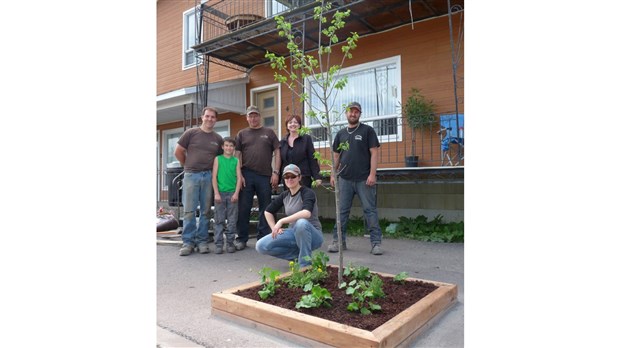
point(376, 249)
point(219, 249)
point(203, 248)
point(333, 248)
point(230, 248)
point(240, 245)
point(186, 249)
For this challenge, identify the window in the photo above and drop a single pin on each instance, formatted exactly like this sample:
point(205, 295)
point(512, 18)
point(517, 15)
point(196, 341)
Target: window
point(222, 128)
point(376, 86)
point(190, 35)
point(274, 7)
point(170, 138)
point(269, 103)
point(269, 122)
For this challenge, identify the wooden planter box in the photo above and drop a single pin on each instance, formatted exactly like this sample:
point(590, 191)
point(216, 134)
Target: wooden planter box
point(314, 331)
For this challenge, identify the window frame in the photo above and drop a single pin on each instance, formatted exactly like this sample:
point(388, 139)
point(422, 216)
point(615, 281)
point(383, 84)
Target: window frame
point(186, 47)
point(223, 123)
point(342, 122)
point(164, 155)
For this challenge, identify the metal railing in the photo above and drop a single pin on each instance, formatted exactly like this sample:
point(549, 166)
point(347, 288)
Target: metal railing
point(430, 144)
point(227, 16)
point(427, 146)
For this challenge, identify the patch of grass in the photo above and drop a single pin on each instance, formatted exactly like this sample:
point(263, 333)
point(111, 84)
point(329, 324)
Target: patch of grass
point(418, 228)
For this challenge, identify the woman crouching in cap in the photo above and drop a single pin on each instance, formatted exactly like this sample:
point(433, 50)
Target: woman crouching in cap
point(304, 232)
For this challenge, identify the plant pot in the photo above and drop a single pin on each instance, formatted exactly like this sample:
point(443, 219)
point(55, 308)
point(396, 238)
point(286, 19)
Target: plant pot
point(411, 161)
point(309, 330)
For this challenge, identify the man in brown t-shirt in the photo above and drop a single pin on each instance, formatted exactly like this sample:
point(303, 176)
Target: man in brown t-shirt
point(196, 150)
point(256, 147)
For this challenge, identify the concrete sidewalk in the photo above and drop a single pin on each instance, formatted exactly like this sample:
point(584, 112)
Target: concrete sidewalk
point(185, 285)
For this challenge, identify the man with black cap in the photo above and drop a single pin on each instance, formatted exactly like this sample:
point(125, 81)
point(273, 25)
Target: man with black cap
point(256, 146)
point(357, 175)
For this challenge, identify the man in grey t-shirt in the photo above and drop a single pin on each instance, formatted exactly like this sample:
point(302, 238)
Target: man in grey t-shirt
point(196, 151)
point(256, 146)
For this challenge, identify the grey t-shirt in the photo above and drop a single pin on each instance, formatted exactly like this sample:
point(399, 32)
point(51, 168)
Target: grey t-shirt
point(305, 198)
point(257, 146)
point(202, 148)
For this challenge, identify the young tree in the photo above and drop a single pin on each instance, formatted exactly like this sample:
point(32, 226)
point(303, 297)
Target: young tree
point(324, 81)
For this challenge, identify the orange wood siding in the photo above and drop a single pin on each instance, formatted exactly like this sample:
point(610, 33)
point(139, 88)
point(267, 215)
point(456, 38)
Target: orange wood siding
point(170, 73)
point(425, 64)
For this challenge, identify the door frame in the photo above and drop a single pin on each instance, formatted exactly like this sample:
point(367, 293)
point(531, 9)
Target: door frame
point(275, 86)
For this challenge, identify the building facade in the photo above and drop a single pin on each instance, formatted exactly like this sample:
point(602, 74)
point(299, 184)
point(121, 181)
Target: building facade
point(213, 53)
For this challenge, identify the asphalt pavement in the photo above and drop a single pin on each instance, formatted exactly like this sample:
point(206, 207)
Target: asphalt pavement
point(185, 285)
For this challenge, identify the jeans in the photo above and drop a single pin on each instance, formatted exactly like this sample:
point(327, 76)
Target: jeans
point(261, 186)
point(368, 197)
point(197, 191)
point(296, 242)
point(225, 211)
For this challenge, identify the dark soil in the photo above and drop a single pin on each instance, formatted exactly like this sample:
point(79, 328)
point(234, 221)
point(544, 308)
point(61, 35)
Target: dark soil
point(397, 298)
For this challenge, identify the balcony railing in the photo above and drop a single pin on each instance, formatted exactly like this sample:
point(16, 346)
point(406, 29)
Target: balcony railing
point(227, 16)
point(436, 144)
point(433, 146)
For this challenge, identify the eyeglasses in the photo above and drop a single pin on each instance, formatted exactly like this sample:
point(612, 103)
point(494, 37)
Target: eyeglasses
point(288, 177)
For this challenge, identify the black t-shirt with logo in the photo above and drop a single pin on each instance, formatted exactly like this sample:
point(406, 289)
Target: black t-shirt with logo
point(355, 163)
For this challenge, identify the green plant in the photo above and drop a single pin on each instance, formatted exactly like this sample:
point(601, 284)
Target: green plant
point(400, 277)
point(312, 275)
point(318, 297)
point(357, 272)
point(418, 228)
point(419, 113)
point(269, 280)
point(362, 293)
point(315, 74)
point(355, 225)
point(435, 230)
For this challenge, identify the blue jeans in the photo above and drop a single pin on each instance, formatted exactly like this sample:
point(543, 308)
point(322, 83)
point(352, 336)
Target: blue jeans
point(296, 242)
point(197, 191)
point(225, 211)
point(368, 197)
point(261, 186)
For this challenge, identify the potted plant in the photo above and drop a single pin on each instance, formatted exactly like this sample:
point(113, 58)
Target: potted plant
point(420, 114)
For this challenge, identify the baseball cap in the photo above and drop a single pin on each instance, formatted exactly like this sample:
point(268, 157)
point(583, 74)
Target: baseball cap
point(293, 169)
point(355, 105)
point(252, 109)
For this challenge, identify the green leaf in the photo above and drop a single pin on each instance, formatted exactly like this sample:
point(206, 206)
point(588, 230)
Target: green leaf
point(374, 306)
point(353, 307)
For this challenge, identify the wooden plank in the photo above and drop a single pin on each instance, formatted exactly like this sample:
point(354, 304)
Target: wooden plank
point(408, 341)
point(169, 232)
point(169, 242)
point(404, 327)
point(328, 332)
point(275, 332)
point(409, 321)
